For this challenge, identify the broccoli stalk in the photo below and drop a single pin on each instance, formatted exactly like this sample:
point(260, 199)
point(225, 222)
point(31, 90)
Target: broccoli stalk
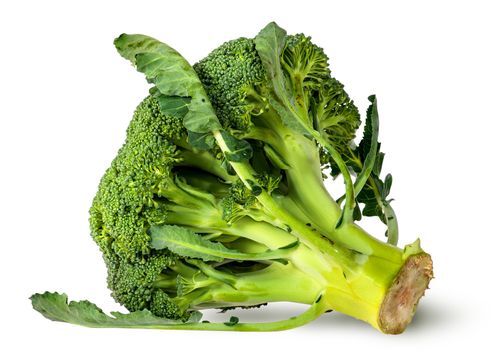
point(216, 200)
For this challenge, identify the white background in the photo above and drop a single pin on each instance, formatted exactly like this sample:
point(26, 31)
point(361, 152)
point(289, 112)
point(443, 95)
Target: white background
point(66, 98)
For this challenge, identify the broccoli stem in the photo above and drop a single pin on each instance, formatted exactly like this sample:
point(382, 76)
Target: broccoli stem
point(365, 287)
point(392, 224)
point(308, 192)
point(262, 286)
point(324, 212)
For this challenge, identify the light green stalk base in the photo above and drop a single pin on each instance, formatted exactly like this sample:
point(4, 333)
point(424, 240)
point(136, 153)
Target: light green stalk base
point(359, 275)
point(381, 293)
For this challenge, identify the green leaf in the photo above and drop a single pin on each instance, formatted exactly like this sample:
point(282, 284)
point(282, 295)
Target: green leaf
point(55, 307)
point(379, 162)
point(370, 190)
point(201, 141)
point(371, 128)
point(269, 44)
point(288, 117)
point(185, 242)
point(161, 64)
point(172, 76)
point(369, 145)
point(370, 195)
point(238, 150)
point(225, 164)
point(374, 196)
point(387, 185)
point(200, 122)
point(357, 215)
point(171, 105)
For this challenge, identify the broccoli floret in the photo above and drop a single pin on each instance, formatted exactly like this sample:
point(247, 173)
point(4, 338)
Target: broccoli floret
point(216, 199)
point(125, 204)
point(157, 178)
point(231, 74)
point(133, 283)
point(235, 81)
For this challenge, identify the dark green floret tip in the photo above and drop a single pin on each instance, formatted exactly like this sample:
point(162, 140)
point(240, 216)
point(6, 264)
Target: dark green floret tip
point(230, 74)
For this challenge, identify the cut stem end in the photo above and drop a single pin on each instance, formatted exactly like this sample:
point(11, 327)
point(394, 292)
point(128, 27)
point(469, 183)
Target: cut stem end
point(400, 302)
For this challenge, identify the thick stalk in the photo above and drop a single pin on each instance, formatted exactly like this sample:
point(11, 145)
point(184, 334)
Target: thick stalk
point(308, 191)
point(368, 288)
point(276, 282)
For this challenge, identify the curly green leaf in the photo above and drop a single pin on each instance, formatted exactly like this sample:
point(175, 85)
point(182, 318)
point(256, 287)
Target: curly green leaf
point(172, 76)
point(56, 307)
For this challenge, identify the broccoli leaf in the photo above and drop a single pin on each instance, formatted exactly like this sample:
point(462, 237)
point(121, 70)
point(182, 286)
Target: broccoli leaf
point(172, 105)
point(270, 44)
point(238, 150)
point(200, 141)
point(369, 188)
point(369, 145)
point(55, 307)
point(172, 76)
point(185, 242)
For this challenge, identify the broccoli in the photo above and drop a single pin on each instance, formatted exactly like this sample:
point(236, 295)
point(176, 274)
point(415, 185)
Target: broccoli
point(217, 197)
